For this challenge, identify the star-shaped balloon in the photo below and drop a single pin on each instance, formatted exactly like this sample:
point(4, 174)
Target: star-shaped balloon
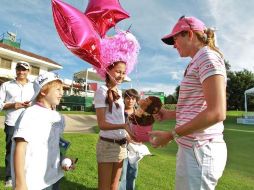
point(105, 14)
point(77, 32)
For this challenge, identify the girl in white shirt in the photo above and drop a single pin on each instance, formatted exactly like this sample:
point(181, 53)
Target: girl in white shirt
point(119, 55)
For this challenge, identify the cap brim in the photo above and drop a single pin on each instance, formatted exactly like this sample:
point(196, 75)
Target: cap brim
point(168, 39)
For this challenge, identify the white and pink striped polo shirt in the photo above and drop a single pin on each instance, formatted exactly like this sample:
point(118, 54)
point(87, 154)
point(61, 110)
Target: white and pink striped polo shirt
point(191, 99)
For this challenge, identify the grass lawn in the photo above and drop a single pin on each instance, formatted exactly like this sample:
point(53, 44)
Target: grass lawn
point(157, 172)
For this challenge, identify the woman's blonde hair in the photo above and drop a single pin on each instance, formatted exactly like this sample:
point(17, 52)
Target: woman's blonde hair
point(45, 89)
point(208, 38)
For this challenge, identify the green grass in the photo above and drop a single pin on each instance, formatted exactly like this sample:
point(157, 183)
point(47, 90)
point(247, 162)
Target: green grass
point(2, 113)
point(77, 112)
point(158, 172)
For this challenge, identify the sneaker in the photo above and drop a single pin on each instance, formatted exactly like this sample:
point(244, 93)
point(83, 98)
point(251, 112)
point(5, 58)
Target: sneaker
point(8, 183)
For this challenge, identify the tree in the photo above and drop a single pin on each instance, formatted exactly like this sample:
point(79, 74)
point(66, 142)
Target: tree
point(176, 93)
point(227, 65)
point(170, 99)
point(238, 82)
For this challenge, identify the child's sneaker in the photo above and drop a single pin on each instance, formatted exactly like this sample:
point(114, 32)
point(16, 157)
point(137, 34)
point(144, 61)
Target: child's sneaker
point(8, 183)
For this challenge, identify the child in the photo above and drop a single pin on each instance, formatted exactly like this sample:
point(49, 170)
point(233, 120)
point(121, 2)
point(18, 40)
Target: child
point(142, 119)
point(119, 55)
point(129, 171)
point(36, 153)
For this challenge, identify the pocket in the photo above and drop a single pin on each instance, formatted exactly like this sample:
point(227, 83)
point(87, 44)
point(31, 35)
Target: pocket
point(101, 147)
point(203, 155)
point(219, 151)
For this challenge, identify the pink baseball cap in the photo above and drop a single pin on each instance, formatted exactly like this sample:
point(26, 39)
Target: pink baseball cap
point(184, 24)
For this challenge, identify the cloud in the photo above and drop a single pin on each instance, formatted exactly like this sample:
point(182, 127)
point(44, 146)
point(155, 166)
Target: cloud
point(159, 87)
point(235, 34)
point(160, 67)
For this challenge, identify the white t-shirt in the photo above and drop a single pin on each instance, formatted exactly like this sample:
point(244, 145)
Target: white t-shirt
point(116, 117)
point(41, 129)
point(11, 92)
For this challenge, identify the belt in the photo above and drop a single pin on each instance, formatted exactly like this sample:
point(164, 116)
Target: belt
point(118, 141)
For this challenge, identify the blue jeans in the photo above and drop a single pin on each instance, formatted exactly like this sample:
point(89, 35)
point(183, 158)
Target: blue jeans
point(9, 131)
point(129, 175)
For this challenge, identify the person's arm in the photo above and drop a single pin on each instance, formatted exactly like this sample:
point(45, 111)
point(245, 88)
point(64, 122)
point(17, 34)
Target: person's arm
point(214, 90)
point(2, 96)
point(19, 163)
point(215, 95)
point(5, 105)
point(164, 114)
point(15, 105)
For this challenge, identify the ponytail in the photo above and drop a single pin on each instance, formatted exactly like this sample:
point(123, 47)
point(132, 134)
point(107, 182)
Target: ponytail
point(208, 38)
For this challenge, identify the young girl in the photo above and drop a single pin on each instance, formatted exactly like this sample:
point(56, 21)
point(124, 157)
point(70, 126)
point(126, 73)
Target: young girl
point(142, 119)
point(119, 55)
point(129, 171)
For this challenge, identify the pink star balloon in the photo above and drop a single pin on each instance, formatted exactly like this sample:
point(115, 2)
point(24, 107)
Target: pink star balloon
point(105, 14)
point(77, 32)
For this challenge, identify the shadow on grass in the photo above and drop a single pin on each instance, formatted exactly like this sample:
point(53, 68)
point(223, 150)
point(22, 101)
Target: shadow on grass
point(69, 185)
point(2, 173)
point(65, 184)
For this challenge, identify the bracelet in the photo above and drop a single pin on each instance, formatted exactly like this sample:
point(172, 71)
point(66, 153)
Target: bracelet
point(174, 134)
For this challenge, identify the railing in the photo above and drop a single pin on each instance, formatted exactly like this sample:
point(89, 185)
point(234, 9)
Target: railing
point(74, 106)
point(5, 39)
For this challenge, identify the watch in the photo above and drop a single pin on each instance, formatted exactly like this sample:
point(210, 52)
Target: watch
point(174, 134)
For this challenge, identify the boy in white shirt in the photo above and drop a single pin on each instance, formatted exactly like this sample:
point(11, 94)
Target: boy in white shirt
point(36, 152)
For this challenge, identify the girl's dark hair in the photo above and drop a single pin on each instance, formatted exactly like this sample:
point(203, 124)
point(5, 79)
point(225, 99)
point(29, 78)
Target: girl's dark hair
point(131, 93)
point(155, 105)
point(144, 120)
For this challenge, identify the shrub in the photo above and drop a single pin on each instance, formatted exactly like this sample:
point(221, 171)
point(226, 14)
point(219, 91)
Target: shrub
point(169, 106)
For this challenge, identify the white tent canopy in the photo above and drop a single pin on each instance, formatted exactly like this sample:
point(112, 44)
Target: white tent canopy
point(91, 74)
point(249, 92)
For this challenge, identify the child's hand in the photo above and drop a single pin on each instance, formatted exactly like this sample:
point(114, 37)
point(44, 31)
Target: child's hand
point(69, 164)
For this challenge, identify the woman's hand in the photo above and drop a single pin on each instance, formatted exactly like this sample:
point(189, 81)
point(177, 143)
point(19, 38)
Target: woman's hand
point(160, 138)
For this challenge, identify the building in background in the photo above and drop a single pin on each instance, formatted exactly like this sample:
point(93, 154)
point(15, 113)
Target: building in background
point(10, 53)
point(160, 95)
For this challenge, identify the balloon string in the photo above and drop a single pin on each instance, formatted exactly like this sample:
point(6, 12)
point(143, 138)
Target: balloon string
point(137, 81)
point(138, 84)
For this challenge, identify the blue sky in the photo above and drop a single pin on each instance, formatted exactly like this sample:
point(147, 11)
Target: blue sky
point(159, 68)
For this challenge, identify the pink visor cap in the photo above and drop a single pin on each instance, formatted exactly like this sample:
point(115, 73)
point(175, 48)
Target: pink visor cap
point(184, 24)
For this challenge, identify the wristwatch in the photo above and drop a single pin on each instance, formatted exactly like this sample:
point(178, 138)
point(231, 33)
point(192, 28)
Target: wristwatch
point(174, 134)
